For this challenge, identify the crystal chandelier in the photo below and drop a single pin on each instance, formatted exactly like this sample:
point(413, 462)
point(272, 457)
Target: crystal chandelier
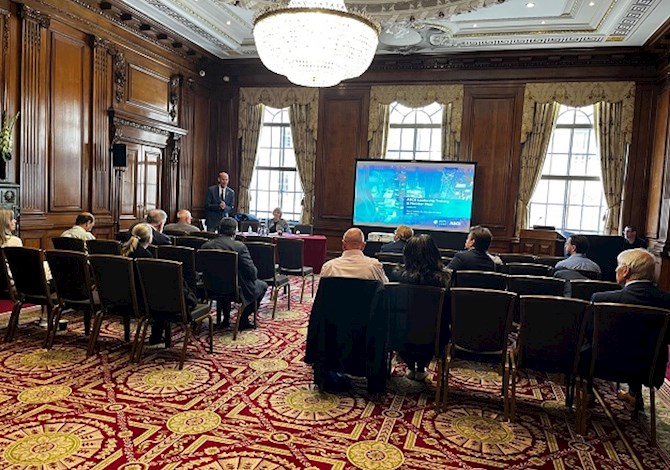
point(315, 43)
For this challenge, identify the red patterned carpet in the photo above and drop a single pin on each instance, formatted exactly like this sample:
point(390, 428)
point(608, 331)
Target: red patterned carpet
point(250, 406)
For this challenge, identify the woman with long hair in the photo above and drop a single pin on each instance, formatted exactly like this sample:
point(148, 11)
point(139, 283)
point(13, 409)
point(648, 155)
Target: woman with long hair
point(423, 266)
point(7, 227)
point(141, 237)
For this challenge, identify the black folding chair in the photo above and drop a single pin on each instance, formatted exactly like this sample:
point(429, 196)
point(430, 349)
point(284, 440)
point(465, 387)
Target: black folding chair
point(163, 288)
point(69, 243)
point(304, 229)
point(584, 289)
point(480, 279)
point(191, 241)
point(516, 258)
point(104, 247)
point(528, 269)
point(291, 257)
point(186, 256)
point(263, 256)
point(397, 258)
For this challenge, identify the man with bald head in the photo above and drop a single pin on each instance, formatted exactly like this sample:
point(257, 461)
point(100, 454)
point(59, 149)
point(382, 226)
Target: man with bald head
point(183, 223)
point(353, 263)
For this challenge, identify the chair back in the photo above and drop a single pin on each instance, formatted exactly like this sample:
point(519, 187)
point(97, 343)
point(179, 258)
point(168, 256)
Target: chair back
point(448, 252)
point(175, 233)
point(7, 291)
point(71, 276)
point(593, 275)
point(219, 274)
point(290, 253)
point(186, 256)
point(551, 333)
point(549, 260)
point(104, 247)
point(263, 256)
point(415, 315)
point(584, 289)
point(480, 279)
point(627, 342)
point(391, 270)
point(246, 224)
point(163, 287)
point(69, 243)
point(205, 235)
point(516, 258)
point(528, 269)
point(481, 319)
point(397, 258)
point(305, 229)
point(117, 283)
point(258, 239)
point(190, 241)
point(536, 285)
point(27, 268)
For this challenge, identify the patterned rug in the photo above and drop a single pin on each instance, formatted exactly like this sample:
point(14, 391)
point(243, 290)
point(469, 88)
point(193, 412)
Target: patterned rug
point(250, 405)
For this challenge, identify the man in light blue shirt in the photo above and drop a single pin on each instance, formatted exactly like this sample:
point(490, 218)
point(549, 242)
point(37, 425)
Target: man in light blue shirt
point(576, 248)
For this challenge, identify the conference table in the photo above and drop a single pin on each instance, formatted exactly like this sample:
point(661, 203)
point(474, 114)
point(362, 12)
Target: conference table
point(315, 248)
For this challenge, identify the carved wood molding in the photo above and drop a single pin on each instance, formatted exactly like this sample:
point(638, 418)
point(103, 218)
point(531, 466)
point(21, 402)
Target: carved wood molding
point(120, 76)
point(176, 82)
point(28, 13)
point(121, 119)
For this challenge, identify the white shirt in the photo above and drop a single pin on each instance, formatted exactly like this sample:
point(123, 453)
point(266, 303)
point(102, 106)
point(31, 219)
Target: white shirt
point(353, 263)
point(78, 231)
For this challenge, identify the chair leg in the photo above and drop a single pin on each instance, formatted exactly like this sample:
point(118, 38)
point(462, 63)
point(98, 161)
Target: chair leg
point(288, 294)
point(87, 322)
point(211, 334)
point(652, 413)
point(302, 290)
point(140, 345)
point(512, 398)
point(13, 323)
point(312, 285)
point(187, 335)
point(275, 293)
point(126, 328)
point(505, 390)
point(440, 380)
point(136, 338)
point(53, 328)
point(236, 329)
point(445, 387)
point(93, 338)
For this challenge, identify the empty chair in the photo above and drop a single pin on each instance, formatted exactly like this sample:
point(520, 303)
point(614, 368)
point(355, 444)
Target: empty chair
point(584, 289)
point(116, 284)
point(304, 229)
point(291, 257)
point(593, 275)
point(186, 256)
point(27, 268)
point(390, 257)
point(448, 252)
point(551, 334)
point(176, 233)
point(163, 287)
point(536, 285)
point(104, 247)
point(481, 320)
point(528, 269)
point(263, 256)
point(191, 241)
point(480, 279)
point(516, 258)
point(74, 286)
point(628, 343)
point(69, 243)
point(245, 225)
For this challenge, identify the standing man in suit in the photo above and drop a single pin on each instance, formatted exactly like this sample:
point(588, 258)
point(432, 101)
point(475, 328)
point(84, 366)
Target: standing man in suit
point(635, 272)
point(476, 256)
point(220, 202)
point(252, 288)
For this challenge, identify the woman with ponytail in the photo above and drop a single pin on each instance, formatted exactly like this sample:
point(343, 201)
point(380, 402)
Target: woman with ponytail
point(140, 238)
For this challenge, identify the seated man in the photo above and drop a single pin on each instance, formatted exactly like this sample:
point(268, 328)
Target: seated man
point(635, 272)
point(252, 289)
point(82, 227)
point(576, 248)
point(183, 223)
point(476, 256)
point(353, 263)
point(156, 218)
point(631, 239)
point(400, 237)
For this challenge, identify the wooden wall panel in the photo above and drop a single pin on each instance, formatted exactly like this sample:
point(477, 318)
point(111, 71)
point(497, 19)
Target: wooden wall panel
point(490, 137)
point(658, 155)
point(200, 176)
point(147, 89)
point(69, 118)
point(101, 175)
point(128, 194)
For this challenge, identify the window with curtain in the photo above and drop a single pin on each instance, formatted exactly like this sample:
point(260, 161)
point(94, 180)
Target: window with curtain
point(570, 194)
point(415, 133)
point(275, 181)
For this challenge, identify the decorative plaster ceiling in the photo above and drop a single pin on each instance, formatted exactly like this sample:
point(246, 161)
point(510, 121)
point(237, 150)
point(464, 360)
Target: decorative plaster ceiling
point(223, 27)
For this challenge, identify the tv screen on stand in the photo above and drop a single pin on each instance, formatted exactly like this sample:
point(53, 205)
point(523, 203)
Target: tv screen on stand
point(434, 196)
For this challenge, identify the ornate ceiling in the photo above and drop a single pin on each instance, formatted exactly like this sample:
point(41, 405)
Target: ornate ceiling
point(223, 27)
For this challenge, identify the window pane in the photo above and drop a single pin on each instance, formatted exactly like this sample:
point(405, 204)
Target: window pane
point(593, 193)
point(578, 165)
point(415, 133)
point(561, 141)
point(554, 215)
point(575, 192)
point(423, 139)
point(407, 139)
point(537, 214)
point(559, 164)
point(580, 140)
point(591, 219)
point(593, 166)
point(393, 141)
point(574, 219)
point(566, 116)
point(556, 192)
point(541, 190)
point(584, 115)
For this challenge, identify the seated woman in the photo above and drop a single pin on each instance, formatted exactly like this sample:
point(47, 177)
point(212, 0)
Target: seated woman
point(276, 223)
point(423, 266)
point(141, 237)
point(7, 227)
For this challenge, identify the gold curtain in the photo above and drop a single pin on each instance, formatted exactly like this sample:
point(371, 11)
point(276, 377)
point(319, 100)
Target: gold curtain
point(249, 136)
point(304, 131)
point(450, 96)
point(533, 152)
point(613, 153)
point(304, 145)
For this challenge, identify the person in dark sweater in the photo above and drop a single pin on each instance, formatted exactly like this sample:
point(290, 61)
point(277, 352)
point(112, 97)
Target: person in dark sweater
point(475, 257)
point(400, 237)
point(631, 240)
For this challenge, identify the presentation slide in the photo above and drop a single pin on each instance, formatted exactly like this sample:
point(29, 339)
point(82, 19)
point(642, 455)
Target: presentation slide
point(423, 195)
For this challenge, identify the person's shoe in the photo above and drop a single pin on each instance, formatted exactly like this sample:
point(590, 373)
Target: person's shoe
point(246, 325)
point(155, 341)
point(634, 401)
point(420, 376)
point(225, 324)
point(410, 374)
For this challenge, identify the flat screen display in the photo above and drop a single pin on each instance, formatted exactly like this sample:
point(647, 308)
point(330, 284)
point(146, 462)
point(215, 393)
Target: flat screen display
point(423, 195)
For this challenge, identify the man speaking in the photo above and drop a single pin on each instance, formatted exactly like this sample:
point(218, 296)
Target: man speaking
point(220, 202)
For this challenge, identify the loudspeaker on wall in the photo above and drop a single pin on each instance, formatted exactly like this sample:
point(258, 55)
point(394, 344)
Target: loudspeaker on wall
point(119, 155)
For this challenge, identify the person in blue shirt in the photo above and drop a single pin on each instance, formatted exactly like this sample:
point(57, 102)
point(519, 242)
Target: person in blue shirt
point(576, 248)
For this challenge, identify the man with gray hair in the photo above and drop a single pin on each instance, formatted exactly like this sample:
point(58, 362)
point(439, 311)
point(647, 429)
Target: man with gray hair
point(635, 271)
point(156, 218)
point(353, 263)
point(183, 224)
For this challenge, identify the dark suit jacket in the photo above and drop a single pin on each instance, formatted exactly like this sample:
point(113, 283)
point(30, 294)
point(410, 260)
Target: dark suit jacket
point(250, 286)
point(638, 243)
point(160, 238)
point(394, 247)
point(471, 260)
point(213, 213)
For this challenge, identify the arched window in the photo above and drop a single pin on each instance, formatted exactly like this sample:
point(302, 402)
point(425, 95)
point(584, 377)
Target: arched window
point(275, 181)
point(570, 194)
point(415, 133)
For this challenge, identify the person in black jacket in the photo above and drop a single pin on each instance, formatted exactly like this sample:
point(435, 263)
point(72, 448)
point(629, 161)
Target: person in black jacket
point(635, 272)
point(475, 257)
point(631, 240)
point(252, 289)
point(157, 218)
point(400, 237)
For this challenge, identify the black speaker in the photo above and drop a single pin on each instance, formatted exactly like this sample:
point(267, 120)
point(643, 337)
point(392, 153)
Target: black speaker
point(119, 157)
